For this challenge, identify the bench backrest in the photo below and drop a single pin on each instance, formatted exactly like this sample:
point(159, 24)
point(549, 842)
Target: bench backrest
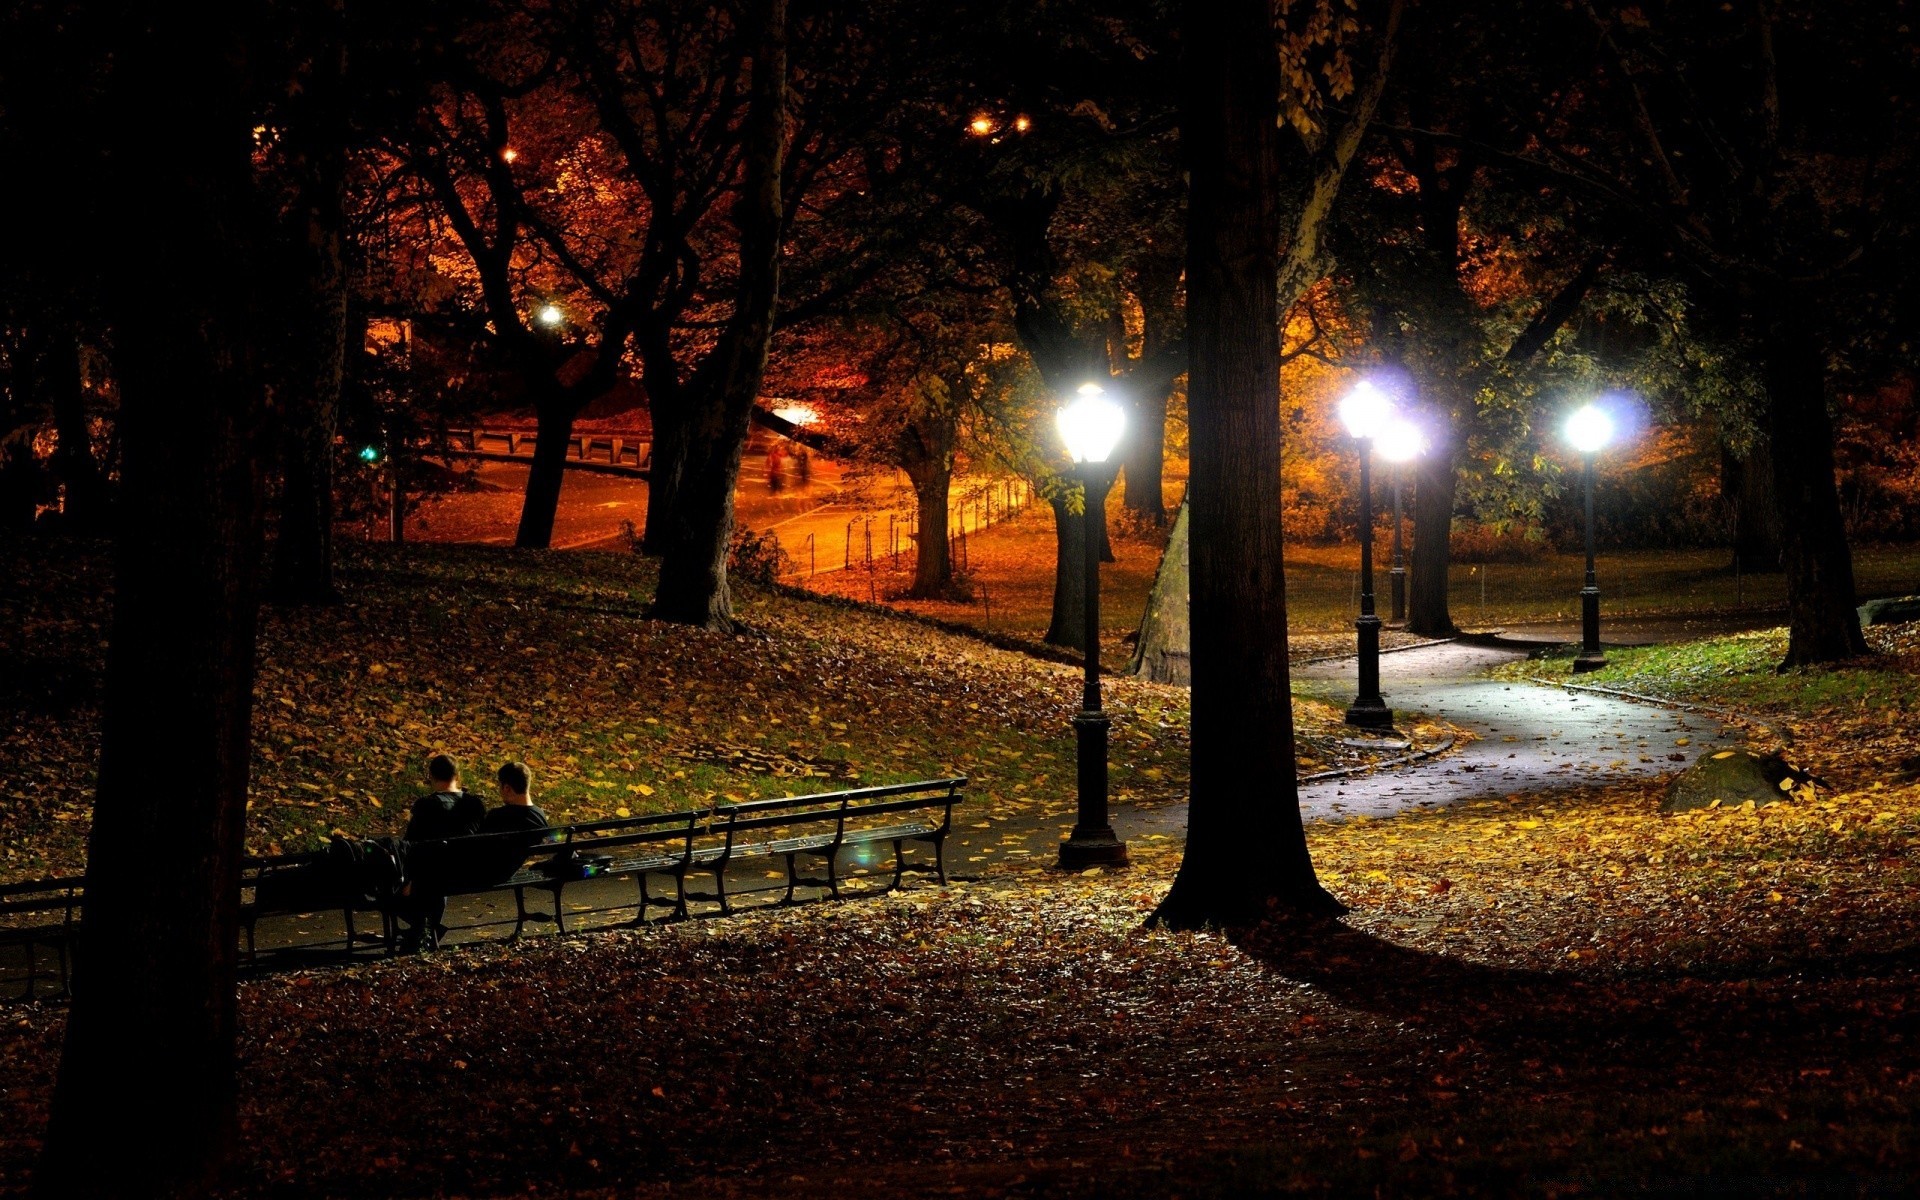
point(35, 896)
point(842, 810)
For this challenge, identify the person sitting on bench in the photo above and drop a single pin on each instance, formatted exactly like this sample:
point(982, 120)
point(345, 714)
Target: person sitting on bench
point(446, 812)
point(501, 855)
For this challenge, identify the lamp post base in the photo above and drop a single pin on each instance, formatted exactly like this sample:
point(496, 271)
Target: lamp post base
point(1092, 842)
point(1591, 658)
point(1372, 714)
point(1092, 848)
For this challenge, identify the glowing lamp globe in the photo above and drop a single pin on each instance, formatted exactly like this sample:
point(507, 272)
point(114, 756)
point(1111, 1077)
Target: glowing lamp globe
point(1091, 426)
point(551, 315)
point(1365, 410)
point(1589, 429)
point(1401, 441)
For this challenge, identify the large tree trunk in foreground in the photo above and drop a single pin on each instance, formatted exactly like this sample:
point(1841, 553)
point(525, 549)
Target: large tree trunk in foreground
point(1244, 791)
point(144, 1104)
point(699, 528)
point(547, 473)
point(1433, 493)
point(1823, 624)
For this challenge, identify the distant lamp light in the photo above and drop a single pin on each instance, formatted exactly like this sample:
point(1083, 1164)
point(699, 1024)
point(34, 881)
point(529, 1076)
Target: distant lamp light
point(1365, 410)
point(369, 454)
point(1091, 425)
point(1022, 123)
point(551, 316)
point(980, 126)
point(509, 154)
point(1589, 429)
point(1401, 441)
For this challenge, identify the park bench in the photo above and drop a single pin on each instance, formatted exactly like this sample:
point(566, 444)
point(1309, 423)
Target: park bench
point(793, 829)
point(42, 913)
point(819, 826)
point(790, 828)
point(290, 883)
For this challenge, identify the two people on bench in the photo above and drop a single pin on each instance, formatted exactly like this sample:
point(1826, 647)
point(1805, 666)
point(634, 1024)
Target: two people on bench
point(443, 853)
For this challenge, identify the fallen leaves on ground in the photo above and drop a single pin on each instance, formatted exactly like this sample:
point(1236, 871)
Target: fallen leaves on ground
point(491, 654)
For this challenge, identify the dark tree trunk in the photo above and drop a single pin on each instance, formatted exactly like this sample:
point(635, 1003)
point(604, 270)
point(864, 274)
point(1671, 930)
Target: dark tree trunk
point(303, 550)
point(1433, 495)
point(1244, 790)
point(1823, 624)
point(666, 463)
point(932, 557)
point(149, 1049)
point(1146, 452)
point(73, 461)
point(1747, 485)
point(547, 473)
point(693, 567)
point(1069, 624)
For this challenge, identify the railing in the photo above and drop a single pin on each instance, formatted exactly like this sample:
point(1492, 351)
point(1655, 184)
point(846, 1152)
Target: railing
point(603, 453)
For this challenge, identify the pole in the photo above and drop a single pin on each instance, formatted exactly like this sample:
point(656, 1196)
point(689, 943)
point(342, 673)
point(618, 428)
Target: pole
point(1397, 574)
point(1092, 842)
point(1590, 659)
point(1368, 709)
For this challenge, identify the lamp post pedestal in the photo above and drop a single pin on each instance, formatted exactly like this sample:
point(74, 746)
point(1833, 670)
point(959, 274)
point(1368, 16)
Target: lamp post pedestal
point(1092, 842)
point(1368, 710)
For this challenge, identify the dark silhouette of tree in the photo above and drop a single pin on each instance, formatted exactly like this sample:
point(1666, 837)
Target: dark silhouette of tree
point(1246, 846)
point(184, 240)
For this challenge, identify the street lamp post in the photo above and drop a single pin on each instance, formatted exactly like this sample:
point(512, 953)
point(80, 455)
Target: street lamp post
point(1400, 443)
point(1366, 411)
point(1091, 426)
point(1588, 430)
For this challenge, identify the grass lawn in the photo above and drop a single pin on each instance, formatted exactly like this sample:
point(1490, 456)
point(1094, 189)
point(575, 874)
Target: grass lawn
point(1544, 995)
point(491, 654)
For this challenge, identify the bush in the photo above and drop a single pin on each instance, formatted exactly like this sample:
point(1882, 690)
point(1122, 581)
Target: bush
point(1472, 542)
point(757, 557)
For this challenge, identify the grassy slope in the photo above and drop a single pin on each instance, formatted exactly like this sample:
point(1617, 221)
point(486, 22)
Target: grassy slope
point(490, 654)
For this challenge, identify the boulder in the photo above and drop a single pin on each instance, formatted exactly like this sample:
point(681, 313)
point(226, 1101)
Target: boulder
point(1734, 777)
point(1894, 610)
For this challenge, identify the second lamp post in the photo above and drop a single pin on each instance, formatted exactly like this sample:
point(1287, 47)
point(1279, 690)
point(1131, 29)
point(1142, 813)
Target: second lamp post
point(1366, 411)
point(1589, 430)
point(1091, 427)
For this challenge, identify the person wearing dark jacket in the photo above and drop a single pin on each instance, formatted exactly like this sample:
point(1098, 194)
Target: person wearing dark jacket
point(502, 854)
point(444, 813)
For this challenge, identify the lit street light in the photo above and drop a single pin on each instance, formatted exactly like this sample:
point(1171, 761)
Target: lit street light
point(1400, 443)
point(1366, 411)
point(551, 316)
point(1589, 430)
point(1091, 427)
